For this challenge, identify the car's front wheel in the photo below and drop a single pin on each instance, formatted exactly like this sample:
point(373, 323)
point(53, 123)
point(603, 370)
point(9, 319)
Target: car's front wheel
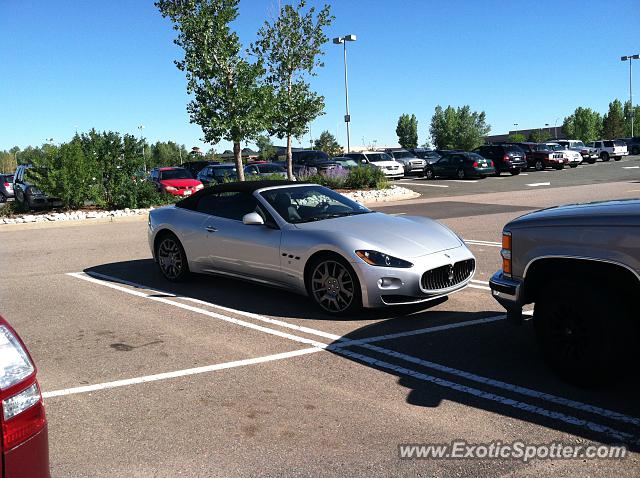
point(461, 174)
point(333, 285)
point(591, 160)
point(514, 172)
point(429, 174)
point(539, 165)
point(617, 158)
point(171, 258)
point(604, 156)
point(581, 336)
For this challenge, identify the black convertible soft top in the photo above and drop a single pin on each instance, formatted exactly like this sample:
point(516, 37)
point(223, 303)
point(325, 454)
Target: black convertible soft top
point(239, 186)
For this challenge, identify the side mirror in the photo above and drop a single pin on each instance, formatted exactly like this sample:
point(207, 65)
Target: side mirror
point(253, 219)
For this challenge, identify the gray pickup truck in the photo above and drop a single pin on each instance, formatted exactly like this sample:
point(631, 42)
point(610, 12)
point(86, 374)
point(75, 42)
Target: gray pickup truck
point(580, 266)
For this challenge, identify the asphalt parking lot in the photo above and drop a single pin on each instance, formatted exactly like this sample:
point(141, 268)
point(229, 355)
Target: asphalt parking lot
point(216, 377)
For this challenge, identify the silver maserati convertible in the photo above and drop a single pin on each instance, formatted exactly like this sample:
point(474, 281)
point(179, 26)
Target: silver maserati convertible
point(311, 240)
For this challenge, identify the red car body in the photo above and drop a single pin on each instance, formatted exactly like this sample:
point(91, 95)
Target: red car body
point(25, 442)
point(175, 181)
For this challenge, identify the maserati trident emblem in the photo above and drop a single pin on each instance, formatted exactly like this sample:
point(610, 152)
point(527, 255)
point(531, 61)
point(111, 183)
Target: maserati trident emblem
point(451, 273)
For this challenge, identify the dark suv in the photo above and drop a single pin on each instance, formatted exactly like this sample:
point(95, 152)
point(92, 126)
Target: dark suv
point(194, 167)
point(505, 157)
point(313, 159)
point(27, 194)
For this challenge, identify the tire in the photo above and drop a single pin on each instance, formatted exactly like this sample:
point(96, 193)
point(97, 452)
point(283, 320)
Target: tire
point(582, 336)
point(3, 198)
point(604, 156)
point(591, 161)
point(635, 150)
point(460, 174)
point(514, 172)
point(429, 174)
point(559, 167)
point(617, 158)
point(573, 165)
point(333, 285)
point(539, 165)
point(171, 258)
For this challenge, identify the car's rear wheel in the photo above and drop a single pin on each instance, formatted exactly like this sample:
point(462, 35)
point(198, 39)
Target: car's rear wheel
point(2, 198)
point(461, 174)
point(581, 335)
point(617, 158)
point(591, 160)
point(560, 167)
point(429, 174)
point(333, 285)
point(171, 258)
point(514, 172)
point(573, 165)
point(604, 156)
point(539, 165)
point(635, 150)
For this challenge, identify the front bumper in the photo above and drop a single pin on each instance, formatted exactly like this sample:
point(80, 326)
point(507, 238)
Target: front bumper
point(387, 286)
point(508, 292)
point(393, 173)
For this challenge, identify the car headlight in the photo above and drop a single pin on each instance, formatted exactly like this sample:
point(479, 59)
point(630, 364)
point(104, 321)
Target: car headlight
point(170, 188)
point(375, 258)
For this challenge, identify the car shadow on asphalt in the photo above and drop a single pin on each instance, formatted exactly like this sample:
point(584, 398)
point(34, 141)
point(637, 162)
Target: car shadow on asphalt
point(497, 367)
point(237, 294)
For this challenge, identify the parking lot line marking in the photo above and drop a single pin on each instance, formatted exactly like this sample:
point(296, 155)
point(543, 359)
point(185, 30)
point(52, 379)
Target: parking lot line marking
point(198, 310)
point(430, 185)
point(476, 286)
point(631, 167)
point(465, 181)
point(480, 281)
point(366, 343)
point(482, 243)
point(509, 402)
point(534, 185)
point(178, 373)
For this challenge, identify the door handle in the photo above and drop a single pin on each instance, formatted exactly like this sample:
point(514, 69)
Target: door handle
point(211, 229)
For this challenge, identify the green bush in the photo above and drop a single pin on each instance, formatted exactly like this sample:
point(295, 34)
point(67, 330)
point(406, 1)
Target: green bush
point(364, 177)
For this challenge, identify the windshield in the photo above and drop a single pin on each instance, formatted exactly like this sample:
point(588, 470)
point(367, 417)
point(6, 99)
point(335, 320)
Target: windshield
point(374, 157)
point(175, 174)
point(270, 168)
point(311, 203)
point(223, 172)
point(403, 154)
point(346, 163)
point(578, 144)
point(619, 143)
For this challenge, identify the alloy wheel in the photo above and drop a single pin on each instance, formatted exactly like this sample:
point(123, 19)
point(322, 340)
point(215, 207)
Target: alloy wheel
point(170, 258)
point(332, 286)
point(461, 173)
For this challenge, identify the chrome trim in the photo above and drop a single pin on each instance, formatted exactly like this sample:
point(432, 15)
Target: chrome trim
point(581, 258)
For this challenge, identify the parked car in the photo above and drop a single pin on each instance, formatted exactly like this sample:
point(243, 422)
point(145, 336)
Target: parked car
point(580, 266)
point(311, 240)
point(218, 173)
point(505, 157)
point(461, 166)
point(540, 156)
point(175, 181)
point(6, 187)
point(607, 149)
point(263, 169)
point(389, 166)
point(26, 194)
point(588, 154)
point(194, 167)
point(633, 144)
point(25, 439)
point(411, 163)
point(573, 158)
point(306, 159)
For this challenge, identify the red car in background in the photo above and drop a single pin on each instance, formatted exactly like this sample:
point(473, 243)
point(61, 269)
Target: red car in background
point(25, 442)
point(175, 181)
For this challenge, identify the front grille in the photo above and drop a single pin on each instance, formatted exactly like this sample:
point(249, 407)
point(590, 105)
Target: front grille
point(447, 276)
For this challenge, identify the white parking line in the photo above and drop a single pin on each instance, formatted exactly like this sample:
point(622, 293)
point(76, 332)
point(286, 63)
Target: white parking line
point(631, 167)
point(535, 185)
point(480, 281)
point(365, 342)
point(430, 185)
point(178, 373)
point(482, 243)
point(465, 181)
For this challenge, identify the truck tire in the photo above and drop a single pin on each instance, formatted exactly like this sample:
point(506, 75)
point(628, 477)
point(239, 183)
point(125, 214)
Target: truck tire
point(539, 165)
point(604, 156)
point(617, 158)
point(583, 337)
point(635, 150)
point(591, 160)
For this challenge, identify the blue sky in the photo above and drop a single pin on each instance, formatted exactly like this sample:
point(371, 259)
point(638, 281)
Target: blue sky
point(70, 65)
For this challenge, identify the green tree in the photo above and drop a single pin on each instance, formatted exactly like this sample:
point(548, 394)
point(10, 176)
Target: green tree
point(327, 142)
point(407, 131)
point(517, 138)
point(613, 125)
point(229, 103)
point(290, 48)
point(458, 128)
point(539, 135)
point(627, 120)
point(266, 149)
point(166, 154)
point(584, 124)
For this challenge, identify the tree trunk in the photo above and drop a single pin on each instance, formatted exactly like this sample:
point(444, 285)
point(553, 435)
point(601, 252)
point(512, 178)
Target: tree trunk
point(289, 161)
point(237, 156)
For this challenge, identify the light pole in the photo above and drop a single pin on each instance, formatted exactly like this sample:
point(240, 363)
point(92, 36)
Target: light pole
point(144, 161)
point(555, 128)
point(546, 125)
point(347, 118)
point(630, 58)
point(516, 128)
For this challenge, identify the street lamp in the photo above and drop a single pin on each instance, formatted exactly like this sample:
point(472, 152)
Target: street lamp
point(546, 125)
point(144, 161)
point(347, 118)
point(625, 58)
